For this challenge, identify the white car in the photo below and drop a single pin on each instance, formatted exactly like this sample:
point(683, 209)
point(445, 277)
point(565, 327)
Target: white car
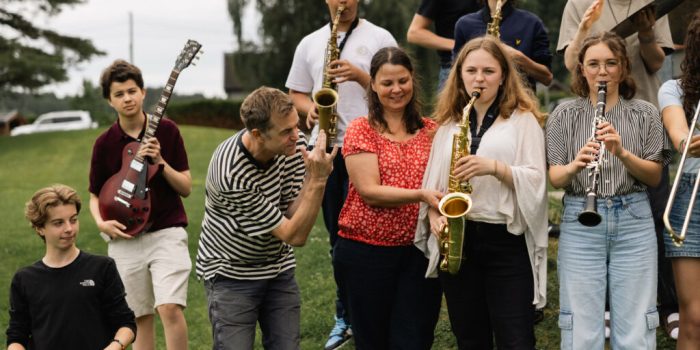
point(57, 121)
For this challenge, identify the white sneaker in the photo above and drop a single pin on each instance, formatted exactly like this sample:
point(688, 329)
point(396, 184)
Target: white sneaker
point(672, 325)
point(607, 324)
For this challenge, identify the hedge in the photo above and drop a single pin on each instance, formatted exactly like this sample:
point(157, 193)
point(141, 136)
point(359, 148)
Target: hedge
point(207, 112)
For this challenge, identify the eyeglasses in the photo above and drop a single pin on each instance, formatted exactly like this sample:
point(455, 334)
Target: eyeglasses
point(593, 67)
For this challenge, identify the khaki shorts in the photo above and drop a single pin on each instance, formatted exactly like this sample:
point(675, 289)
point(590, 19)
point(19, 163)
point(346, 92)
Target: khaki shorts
point(155, 268)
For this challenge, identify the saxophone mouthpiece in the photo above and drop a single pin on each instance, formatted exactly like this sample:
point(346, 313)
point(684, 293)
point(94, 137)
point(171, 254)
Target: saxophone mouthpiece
point(476, 93)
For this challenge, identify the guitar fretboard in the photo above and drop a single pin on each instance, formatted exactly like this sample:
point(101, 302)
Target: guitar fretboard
point(154, 121)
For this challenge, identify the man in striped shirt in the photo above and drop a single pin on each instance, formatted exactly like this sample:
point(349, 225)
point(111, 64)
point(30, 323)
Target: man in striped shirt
point(263, 193)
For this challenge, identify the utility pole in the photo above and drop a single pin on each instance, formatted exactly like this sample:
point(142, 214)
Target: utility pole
point(131, 38)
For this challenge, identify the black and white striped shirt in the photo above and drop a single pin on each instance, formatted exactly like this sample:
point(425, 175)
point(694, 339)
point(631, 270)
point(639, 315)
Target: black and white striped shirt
point(569, 128)
point(244, 202)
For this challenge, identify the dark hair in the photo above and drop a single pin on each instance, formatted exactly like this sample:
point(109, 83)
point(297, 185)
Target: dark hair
point(36, 210)
point(261, 104)
point(412, 115)
point(119, 71)
point(627, 87)
point(690, 68)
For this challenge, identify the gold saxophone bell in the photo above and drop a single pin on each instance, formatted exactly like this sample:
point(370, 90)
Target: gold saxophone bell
point(326, 101)
point(454, 206)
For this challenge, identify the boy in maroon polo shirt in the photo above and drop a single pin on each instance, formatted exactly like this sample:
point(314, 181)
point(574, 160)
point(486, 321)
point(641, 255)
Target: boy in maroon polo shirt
point(154, 265)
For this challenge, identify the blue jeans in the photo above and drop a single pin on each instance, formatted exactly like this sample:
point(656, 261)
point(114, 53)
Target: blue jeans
point(442, 76)
point(235, 306)
point(691, 244)
point(620, 253)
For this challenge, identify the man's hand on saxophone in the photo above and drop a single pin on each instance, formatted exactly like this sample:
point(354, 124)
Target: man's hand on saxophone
point(342, 71)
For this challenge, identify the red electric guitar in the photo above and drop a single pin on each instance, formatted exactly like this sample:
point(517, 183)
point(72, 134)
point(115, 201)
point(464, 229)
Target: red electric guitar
point(125, 196)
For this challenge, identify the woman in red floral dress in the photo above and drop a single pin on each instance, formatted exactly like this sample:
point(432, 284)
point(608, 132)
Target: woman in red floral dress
point(391, 304)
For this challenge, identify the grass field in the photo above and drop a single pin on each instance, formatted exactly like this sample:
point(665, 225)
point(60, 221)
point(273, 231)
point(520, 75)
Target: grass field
point(30, 162)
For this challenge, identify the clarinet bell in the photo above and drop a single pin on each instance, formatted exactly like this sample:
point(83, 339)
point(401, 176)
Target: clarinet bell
point(589, 216)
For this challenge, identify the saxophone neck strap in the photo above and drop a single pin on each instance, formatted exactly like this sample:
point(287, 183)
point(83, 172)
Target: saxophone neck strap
point(489, 118)
point(347, 35)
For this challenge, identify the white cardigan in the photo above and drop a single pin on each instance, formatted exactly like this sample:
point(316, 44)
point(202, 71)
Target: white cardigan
point(519, 142)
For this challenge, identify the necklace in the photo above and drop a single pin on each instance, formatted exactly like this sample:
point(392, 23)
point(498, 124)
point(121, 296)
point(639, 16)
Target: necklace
point(629, 4)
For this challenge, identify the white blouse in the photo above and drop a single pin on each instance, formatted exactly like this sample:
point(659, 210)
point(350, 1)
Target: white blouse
point(519, 142)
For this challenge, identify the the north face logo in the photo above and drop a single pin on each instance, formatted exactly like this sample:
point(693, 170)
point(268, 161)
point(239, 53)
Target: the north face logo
point(87, 283)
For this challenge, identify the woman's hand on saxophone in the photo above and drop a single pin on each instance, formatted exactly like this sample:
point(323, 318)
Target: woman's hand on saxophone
point(431, 197)
point(437, 222)
point(473, 165)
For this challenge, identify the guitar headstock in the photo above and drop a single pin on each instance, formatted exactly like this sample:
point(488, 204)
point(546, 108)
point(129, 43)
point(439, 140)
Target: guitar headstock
point(189, 54)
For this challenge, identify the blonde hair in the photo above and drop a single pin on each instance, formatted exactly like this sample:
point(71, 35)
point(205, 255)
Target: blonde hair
point(512, 94)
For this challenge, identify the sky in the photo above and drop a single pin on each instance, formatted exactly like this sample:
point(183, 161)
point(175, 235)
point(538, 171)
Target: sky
point(161, 28)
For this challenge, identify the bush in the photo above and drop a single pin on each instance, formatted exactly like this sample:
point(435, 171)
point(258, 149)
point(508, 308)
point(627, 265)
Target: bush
point(207, 112)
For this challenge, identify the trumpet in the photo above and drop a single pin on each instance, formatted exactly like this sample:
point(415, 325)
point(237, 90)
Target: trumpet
point(677, 238)
point(326, 99)
point(589, 216)
point(458, 202)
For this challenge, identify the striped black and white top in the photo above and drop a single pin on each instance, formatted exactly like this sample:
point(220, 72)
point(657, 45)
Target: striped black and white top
point(569, 127)
point(245, 201)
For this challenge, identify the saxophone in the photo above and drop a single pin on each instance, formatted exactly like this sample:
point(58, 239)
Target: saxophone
point(457, 203)
point(494, 27)
point(326, 99)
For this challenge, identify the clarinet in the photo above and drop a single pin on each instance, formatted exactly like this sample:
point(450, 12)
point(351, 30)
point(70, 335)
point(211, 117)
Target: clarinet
point(589, 216)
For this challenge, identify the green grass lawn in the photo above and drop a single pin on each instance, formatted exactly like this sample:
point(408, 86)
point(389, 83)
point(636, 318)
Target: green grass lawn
point(30, 162)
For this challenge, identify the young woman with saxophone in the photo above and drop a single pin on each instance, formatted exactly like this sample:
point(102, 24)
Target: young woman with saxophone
point(625, 138)
point(391, 304)
point(503, 272)
point(678, 101)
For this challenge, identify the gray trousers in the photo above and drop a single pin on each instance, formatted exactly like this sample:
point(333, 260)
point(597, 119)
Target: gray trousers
point(235, 306)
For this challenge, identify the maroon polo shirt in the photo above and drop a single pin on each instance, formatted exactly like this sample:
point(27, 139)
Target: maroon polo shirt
point(168, 210)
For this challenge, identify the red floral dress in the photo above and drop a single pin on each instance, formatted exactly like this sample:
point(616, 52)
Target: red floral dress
point(401, 164)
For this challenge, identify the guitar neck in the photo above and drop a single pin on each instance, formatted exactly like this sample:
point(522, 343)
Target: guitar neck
point(153, 122)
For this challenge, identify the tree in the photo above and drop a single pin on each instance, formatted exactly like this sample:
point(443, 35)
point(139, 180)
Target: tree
point(30, 56)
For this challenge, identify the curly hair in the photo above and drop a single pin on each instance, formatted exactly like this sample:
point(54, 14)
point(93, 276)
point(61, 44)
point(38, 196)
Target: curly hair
point(512, 94)
point(119, 71)
point(690, 68)
point(36, 210)
point(627, 87)
point(412, 113)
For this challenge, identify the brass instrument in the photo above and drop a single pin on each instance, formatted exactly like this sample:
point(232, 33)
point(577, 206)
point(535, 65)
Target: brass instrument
point(589, 216)
point(458, 202)
point(678, 239)
point(494, 27)
point(326, 99)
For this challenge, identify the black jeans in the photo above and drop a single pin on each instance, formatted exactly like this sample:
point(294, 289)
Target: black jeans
point(391, 303)
point(493, 291)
